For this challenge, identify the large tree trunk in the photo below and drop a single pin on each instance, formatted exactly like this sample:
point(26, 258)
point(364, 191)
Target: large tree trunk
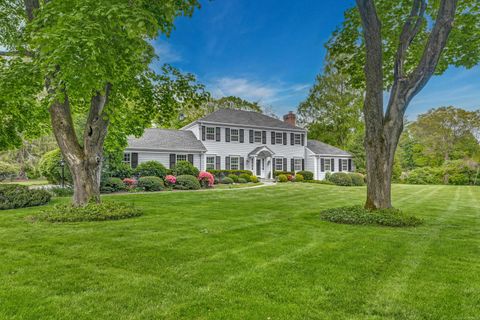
point(84, 162)
point(382, 132)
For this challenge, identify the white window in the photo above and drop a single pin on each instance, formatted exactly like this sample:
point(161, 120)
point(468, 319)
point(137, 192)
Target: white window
point(278, 138)
point(210, 162)
point(127, 158)
point(327, 164)
point(210, 133)
point(297, 164)
point(278, 164)
point(344, 165)
point(234, 163)
point(181, 157)
point(258, 136)
point(298, 138)
point(234, 135)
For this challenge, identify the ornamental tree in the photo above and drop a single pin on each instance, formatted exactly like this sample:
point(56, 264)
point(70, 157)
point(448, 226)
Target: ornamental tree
point(397, 46)
point(87, 58)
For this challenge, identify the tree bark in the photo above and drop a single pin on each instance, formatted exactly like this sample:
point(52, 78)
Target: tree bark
point(85, 163)
point(382, 132)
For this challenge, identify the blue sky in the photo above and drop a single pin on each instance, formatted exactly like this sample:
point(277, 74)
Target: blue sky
point(271, 50)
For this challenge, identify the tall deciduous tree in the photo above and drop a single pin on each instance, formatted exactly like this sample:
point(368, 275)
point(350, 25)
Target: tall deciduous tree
point(398, 46)
point(332, 111)
point(85, 57)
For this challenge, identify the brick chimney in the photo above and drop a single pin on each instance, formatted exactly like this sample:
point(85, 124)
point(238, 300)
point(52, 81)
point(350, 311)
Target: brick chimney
point(290, 118)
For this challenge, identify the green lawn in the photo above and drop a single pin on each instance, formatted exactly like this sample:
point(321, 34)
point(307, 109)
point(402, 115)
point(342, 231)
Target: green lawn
point(261, 253)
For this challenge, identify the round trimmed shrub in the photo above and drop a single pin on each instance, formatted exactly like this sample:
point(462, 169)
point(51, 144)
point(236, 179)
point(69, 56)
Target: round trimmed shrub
point(183, 168)
point(151, 183)
point(244, 176)
point(341, 179)
point(49, 167)
point(187, 182)
point(234, 177)
point(151, 169)
point(254, 179)
point(121, 170)
point(307, 175)
point(282, 178)
point(242, 180)
point(299, 177)
point(357, 179)
point(227, 180)
point(14, 196)
point(112, 185)
point(206, 179)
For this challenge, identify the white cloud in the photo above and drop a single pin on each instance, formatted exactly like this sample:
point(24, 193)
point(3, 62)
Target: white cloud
point(166, 53)
point(252, 90)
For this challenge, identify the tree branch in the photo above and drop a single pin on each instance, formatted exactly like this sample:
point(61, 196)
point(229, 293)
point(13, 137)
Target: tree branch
point(30, 7)
point(433, 50)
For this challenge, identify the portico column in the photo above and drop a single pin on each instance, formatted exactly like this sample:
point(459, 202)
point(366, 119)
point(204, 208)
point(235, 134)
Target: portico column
point(315, 167)
point(254, 165)
point(271, 168)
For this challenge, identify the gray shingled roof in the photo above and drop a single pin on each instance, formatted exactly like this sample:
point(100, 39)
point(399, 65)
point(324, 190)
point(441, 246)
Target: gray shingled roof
point(163, 139)
point(247, 118)
point(321, 148)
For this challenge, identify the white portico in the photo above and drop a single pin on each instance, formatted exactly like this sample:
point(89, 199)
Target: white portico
point(262, 162)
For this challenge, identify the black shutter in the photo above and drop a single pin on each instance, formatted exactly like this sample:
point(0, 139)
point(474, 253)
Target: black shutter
point(217, 162)
point(227, 134)
point(292, 139)
point(285, 138)
point(333, 165)
point(227, 163)
point(285, 164)
point(264, 137)
point(322, 165)
point(190, 158)
point(350, 165)
point(242, 163)
point(339, 164)
point(273, 137)
point(303, 139)
point(251, 135)
point(203, 133)
point(242, 135)
point(173, 159)
point(134, 160)
point(292, 165)
point(303, 164)
point(217, 134)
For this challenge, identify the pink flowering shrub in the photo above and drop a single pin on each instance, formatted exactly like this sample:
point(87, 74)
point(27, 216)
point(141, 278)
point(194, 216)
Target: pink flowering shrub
point(206, 179)
point(170, 180)
point(130, 183)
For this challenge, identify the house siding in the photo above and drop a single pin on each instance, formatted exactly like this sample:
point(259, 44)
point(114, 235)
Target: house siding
point(164, 156)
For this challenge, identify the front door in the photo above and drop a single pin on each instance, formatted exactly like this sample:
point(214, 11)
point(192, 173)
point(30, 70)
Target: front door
point(259, 167)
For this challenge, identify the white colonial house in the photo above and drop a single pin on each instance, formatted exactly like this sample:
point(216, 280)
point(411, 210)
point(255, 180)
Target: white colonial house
point(240, 140)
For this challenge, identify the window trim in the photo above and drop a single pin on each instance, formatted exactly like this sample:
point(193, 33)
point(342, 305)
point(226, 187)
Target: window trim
point(238, 162)
point(129, 162)
point(232, 135)
point(278, 162)
point(299, 137)
point(182, 155)
point(278, 137)
point(214, 162)
point(344, 165)
point(259, 136)
point(327, 162)
point(212, 137)
point(295, 164)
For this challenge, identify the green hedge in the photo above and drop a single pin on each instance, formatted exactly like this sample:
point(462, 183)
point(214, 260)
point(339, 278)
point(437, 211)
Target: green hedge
point(151, 169)
point(307, 175)
point(16, 196)
point(225, 173)
point(455, 172)
point(285, 173)
point(110, 185)
point(187, 182)
point(151, 184)
point(183, 168)
point(8, 171)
